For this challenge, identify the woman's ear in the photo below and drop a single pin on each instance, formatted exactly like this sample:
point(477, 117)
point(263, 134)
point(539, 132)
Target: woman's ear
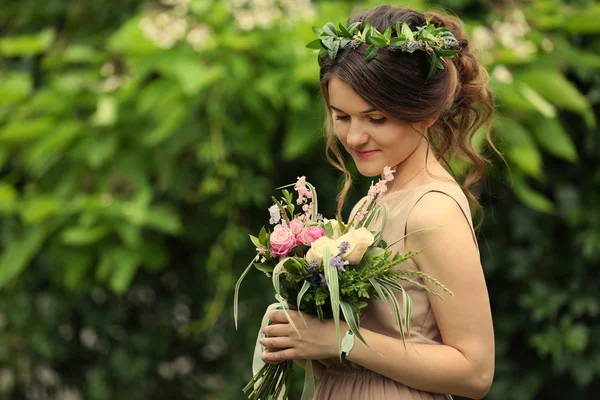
point(430, 121)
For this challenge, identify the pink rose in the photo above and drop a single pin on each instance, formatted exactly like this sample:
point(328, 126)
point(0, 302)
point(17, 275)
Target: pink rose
point(310, 234)
point(282, 241)
point(296, 226)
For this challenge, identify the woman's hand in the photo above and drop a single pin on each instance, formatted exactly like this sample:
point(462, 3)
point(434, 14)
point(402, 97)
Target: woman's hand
point(317, 339)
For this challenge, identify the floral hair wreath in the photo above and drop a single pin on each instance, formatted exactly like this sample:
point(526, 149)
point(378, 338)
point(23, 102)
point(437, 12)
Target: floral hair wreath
point(436, 42)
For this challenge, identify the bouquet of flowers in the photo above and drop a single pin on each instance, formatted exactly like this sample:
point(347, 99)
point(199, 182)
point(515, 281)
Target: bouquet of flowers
point(323, 267)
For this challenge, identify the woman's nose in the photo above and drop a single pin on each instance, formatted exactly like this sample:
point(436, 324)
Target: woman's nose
point(357, 136)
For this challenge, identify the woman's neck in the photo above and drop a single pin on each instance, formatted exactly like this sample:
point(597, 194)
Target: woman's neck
point(413, 169)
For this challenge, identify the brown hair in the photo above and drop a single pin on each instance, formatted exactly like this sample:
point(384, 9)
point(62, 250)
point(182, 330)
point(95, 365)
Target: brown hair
point(395, 83)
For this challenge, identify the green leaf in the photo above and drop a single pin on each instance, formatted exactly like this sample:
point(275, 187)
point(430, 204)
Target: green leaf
point(551, 135)
point(12, 46)
point(262, 236)
point(407, 32)
point(521, 149)
point(266, 267)
point(16, 256)
point(329, 29)
point(315, 44)
point(106, 111)
point(14, 87)
point(530, 197)
point(344, 31)
point(554, 87)
point(371, 52)
point(163, 219)
point(353, 27)
point(388, 33)
point(255, 241)
point(83, 236)
point(126, 263)
point(397, 41)
point(333, 52)
point(317, 31)
point(38, 209)
point(22, 131)
point(433, 60)
point(130, 39)
point(540, 104)
point(377, 41)
point(328, 229)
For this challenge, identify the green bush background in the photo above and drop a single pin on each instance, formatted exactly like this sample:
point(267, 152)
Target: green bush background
point(140, 142)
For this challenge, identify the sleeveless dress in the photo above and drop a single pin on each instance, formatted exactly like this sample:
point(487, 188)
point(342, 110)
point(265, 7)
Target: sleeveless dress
point(352, 381)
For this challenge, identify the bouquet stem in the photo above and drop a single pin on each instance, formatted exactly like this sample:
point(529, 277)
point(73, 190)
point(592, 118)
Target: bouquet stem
point(270, 381)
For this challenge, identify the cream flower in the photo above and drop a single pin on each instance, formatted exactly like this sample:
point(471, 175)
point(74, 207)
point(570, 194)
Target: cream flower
point(359, 240)
point(337, 232)
point(317, 247)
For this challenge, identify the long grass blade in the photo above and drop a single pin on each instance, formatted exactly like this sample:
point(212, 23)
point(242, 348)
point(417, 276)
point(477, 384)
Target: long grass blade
point(380, 293)
point(305, 287)
point(236, 292)
point(278, 270)
point(308, 391)
point(352, 319)
point(396, 313)
point(385, 211)
point(412, 233)
point(285, 306)
point(372, 215)
point(333, 284)
point(407, 309)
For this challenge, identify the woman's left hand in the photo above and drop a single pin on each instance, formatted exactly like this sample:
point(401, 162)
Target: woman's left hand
point(317, 339)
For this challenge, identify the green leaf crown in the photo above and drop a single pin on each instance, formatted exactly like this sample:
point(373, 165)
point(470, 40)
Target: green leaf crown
point(436, 42)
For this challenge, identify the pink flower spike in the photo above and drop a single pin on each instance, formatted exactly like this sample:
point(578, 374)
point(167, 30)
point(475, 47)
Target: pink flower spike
point(360, 215)
point(382, 188)
point(372, 191)
point(388, 174)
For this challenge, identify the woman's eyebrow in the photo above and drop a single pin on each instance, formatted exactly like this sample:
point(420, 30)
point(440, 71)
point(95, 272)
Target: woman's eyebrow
point(362, 112)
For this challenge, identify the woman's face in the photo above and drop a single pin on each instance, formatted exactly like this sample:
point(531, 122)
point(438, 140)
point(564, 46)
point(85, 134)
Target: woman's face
point(374, 140)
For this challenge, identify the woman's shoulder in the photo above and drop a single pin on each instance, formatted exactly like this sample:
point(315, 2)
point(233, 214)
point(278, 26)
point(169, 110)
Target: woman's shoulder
point(446, 205)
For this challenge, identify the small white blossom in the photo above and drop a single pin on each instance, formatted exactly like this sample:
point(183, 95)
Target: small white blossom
point(275, 214)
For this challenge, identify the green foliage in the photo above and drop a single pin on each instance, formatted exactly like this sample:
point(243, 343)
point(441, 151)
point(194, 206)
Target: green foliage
point(138, 151)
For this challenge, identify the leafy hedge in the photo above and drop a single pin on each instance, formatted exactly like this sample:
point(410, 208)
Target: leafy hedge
point(140, 142)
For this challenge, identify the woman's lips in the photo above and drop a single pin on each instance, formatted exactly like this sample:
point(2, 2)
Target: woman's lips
point(365, 154)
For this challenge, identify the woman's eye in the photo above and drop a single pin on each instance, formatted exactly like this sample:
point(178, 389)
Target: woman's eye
point(342, 117)
point(378, 120)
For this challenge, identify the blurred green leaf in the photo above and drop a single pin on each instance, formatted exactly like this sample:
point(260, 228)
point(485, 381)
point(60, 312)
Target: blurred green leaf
point(21, 251)
point(26, 44)
point(25, 130)
point(130, 39)
point(14, 88)
point(520, 149)
point(554, 87)
point(38, 209)
point(530, 197)
point(551, 135)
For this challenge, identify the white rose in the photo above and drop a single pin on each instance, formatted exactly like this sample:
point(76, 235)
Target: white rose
point(315, 253)
point(359, 241)
point(337, 231)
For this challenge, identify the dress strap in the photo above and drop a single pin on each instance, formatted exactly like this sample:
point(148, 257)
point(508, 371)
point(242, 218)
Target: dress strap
point(450, 189)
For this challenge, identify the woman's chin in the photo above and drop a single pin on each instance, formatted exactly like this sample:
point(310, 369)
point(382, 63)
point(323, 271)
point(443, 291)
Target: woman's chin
point(368, 169)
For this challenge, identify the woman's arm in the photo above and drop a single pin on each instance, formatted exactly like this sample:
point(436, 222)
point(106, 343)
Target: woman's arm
point(464, 364)
point(318, 368)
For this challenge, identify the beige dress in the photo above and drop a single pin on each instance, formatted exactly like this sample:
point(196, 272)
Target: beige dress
point(353, 382)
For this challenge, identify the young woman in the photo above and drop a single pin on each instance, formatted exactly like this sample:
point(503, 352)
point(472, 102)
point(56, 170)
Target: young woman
point(387, 112)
